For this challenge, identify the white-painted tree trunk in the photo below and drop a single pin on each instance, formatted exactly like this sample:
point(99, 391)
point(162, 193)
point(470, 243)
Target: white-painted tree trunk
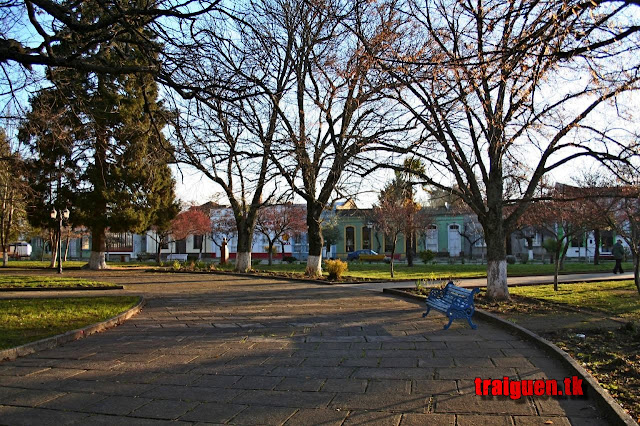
point(497, 280)
point(243, 262)
point(97, 261)
point(314, 266)
point(530, 254)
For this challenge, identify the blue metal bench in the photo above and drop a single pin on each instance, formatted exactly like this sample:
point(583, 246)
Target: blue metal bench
point(454, 302)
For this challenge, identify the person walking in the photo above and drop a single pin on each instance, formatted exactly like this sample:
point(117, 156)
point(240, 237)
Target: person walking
point(618, 254)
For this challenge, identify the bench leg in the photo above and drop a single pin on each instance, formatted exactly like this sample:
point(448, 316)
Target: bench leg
point(426, 313)
point(472, 325)
point(449, 325)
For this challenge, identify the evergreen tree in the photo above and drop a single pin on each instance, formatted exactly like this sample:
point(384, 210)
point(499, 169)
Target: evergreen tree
point(125, 178)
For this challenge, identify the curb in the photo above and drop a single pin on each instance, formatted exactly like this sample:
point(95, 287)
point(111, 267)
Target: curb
point(614, 412)
point(60, 339)
point(119, 287)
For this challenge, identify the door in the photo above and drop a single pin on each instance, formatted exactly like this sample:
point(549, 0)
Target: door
point(454, 240)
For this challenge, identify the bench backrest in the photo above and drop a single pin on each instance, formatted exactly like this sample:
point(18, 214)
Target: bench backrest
point(452, 292)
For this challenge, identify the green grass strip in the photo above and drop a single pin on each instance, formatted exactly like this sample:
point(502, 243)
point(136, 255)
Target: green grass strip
point(380, 271)
point(27, 320)
point(617, 298)
point(14, 282)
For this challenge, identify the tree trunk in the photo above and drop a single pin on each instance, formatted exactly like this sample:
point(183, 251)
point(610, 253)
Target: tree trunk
point(496, 262)
point(565, 248)
point(98, 247)
point(158, 248)
point(636, 270)
point(596, 253)
point(66, 247)
point(270, 252)
point(556, 269)
point(409, 248)
point(282, 258)
point(5, 256)
point(393, 252)
point(243, 255)
point(54, 250)
point(314, 236)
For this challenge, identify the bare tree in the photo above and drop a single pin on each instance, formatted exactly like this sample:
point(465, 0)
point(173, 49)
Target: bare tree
point(333, 111)
point(506, 92)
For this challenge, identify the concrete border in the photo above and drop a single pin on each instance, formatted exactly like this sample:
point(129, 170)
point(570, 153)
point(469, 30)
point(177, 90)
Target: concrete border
point(60, 339)
point(611, 408)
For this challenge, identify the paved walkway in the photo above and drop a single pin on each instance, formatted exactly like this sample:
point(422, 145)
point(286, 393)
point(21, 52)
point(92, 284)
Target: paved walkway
point(217, 349)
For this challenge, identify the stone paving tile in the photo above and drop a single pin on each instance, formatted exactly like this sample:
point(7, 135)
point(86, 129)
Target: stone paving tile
point(168, 410)
point(325, 417)
point(313, 372)
point(344, 385)
point(469, 403)
point(74, 401)
point(379, 401)
point(300, 384)
point(105, 420)
point(432, 387)
point(257, 382)
point(372, 418)
point(263, 415)
point(542, 420)
point(118, 405)
point(481, 420)
point(192, 393)
point(402, 387)
point(30, 397)
point(412, 419)
point(393, 373)
point(284, 398)
point(21, 416)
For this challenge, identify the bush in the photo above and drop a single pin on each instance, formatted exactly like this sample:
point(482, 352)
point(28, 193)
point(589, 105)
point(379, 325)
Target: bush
point(336, 268)
point(176, 265)
point(511, 259)
point(426, 256)
point(524, 258)
point(289, 259)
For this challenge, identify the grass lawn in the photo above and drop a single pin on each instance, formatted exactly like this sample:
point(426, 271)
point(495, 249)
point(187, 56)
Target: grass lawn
point(380, 271)
point(612, 356)
point(616, 298)
point(10, 282)
point(73, 264)
point(26, 320)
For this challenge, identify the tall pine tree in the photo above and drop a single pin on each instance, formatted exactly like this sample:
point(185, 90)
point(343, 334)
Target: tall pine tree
point(125, 178)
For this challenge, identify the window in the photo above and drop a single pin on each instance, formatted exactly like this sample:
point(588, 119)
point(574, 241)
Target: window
point(143, 243)
point(197, 242)
point(577, 240)
point(431, 241)
point(350, 239)
point(366, 237)
point(122, 241)
point(85, 242)
point(388, 244)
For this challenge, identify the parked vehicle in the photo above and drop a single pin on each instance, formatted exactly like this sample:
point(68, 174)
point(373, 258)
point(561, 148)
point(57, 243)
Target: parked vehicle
point(355, 255)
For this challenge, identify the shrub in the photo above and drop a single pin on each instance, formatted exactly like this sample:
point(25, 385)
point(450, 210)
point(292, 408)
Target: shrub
point(427, 256)
point(336, 268)
point(212, 267)
point(200, 265)
point(524, 258)
point(176, 265)
point(511, 259)
point(255, 262)
point(289, 259)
